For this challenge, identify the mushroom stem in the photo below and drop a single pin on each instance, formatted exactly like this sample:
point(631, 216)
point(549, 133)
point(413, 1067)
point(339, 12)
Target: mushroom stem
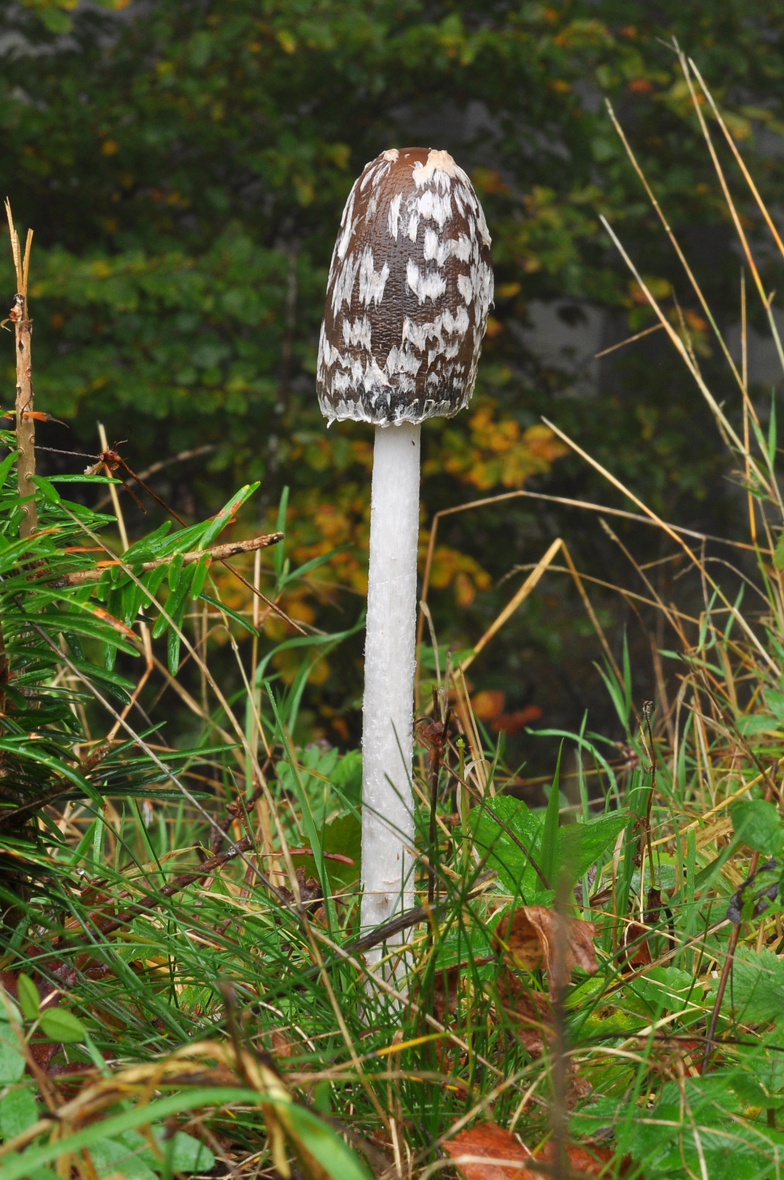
point(387, 742)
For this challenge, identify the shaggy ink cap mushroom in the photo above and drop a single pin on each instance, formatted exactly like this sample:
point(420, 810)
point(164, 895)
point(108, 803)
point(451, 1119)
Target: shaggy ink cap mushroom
point(409, 289)
point(407, 298)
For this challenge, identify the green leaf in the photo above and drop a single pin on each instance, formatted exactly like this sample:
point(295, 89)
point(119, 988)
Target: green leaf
point(580, 845)
point(149, 548)
point(18, 1111)
point(326, 1147)
point(228, 611)
point(748, 1088)
point(129, 1154)
point(185, 1153)
point(61, 1025)
point(173, 651)
point(668, 988)
point(83, 479)
point(84, 623)
point(48, 491)
point(311, 565)
point(507, 833)
point(757, 986)
point(758, 824)
point(200, 576)
point(20, 1167)
point(695, 1128)
point(552, 818)
point(775, 702)
point(280, 527)
point(14, 1157)
point(343, 836)
point(12, 1061)
point(174, 571)
point(347, 778)
point(28, 996)
point(111, 1156)
point(226, 513)
point(6, 466)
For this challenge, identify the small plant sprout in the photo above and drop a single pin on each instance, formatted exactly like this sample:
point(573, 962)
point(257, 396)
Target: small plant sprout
point(409, 288)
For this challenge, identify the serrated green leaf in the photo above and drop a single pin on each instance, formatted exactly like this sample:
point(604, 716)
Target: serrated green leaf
point(117, 1158)
point(757, 823)
point(757, 986)
point(507, 833)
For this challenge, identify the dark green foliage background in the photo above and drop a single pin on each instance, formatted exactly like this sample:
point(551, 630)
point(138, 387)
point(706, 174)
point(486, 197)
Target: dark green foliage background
point(184, 166)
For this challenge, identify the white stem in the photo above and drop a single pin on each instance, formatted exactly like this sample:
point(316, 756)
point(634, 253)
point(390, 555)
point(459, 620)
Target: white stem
point(387, 741)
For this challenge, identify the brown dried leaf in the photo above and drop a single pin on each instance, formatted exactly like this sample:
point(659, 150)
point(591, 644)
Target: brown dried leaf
point(501, 1156)
point(446, 986)
point(520, 940)
point(493, 1143)
point(582, 1162)
point(532, 1012)
point(529, 939)
point(636, 952)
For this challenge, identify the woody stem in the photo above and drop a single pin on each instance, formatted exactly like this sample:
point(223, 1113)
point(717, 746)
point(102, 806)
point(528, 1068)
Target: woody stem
point(25, 423)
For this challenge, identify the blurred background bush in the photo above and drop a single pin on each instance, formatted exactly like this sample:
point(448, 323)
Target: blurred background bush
point(184, 165)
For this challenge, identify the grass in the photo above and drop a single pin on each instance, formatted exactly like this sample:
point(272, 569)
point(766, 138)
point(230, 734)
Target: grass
point(598, 982)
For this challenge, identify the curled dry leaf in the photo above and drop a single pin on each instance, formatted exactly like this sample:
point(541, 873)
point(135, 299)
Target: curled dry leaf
point(446, 986)
point(529, 938)
point(636, 952)
point(448, 982)
point(532, 1012)
point(532, 1019)
point(495, 1154)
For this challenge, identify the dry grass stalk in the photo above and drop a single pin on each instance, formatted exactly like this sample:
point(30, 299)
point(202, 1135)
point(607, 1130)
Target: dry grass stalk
point(23, 332)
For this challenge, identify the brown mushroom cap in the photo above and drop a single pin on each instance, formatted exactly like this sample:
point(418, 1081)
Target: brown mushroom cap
point(409, 288)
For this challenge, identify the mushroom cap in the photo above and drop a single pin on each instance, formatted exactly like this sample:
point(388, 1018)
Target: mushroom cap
point(409, 288)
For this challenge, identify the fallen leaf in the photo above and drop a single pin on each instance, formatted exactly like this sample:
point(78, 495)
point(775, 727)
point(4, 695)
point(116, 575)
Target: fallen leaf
point(511, 722)
point(487, 1142)
point(635, 952)
point(591, 1162)
point(531, 1011)
point(446, 985)
point(488, 704)
point(520, 940)
point(529, 938)
point(492, 1153)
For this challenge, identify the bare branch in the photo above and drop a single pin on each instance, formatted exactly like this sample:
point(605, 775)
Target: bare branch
point(215, 553)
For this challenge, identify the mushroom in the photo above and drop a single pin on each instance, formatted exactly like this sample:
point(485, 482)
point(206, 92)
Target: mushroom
point(409, 288)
